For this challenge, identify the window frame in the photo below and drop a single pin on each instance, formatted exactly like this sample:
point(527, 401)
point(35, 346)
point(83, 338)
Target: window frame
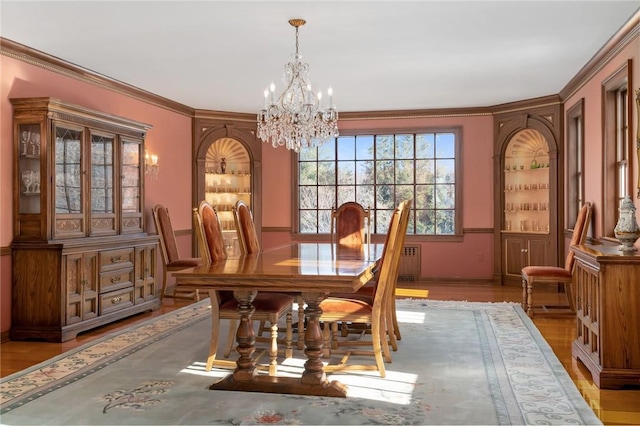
point(616, 146)
point(458, 205)
point(575, 163)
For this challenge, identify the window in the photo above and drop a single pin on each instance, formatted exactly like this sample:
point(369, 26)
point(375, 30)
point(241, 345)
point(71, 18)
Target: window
point(379, 171)
point(575, 162)
point(617, 172)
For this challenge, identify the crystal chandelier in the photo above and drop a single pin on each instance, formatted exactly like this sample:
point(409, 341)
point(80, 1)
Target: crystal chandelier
point(296, 118)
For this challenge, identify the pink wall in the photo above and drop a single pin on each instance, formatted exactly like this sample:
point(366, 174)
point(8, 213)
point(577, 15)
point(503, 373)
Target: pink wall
point(170, 138)
point(276, 188)
point(592, 94)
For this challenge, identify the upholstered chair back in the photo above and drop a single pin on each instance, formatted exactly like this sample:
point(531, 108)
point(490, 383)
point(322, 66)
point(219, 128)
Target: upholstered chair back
point(350, 224)
point(246, 228)
point(163, 222)
point(212, 232)
point(579, 233)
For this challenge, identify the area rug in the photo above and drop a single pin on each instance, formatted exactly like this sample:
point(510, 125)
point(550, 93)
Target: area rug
point(457, 363)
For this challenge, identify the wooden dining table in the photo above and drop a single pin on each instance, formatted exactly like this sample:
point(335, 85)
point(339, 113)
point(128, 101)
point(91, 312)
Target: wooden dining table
point(311, 269)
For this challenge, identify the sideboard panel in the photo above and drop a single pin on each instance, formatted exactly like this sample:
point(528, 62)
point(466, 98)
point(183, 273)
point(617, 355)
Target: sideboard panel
point(607, 284)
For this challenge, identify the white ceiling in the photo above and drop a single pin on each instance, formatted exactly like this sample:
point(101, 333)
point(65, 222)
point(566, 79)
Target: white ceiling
point(377, 55)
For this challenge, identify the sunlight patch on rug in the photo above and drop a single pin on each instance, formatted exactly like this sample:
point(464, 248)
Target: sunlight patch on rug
point(198, 369)
point(396, 388)
point(410, 317)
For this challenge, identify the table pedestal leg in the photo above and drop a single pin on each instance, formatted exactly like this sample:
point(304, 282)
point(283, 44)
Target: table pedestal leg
point(313, 381)
point(314, 341)
point(246, 365)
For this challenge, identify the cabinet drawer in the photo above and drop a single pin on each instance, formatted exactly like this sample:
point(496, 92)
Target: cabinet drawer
point(116, 300)
point(115, 280)
point(116, 259)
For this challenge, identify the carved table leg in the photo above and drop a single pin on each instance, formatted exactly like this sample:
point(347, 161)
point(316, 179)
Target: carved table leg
point(313, 340)
point(314, 374)
point(300, 301)
point(313, 381)
point(245, 337)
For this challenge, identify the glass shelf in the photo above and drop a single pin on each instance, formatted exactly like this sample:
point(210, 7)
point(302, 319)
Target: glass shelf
point(526, 187)
point(227, 179)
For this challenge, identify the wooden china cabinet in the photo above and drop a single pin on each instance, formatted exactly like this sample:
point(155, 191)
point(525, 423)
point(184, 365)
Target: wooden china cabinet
point(80, 255)
point(526, 171)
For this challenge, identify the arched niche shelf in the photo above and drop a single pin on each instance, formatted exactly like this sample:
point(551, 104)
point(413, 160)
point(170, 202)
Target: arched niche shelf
point(227, 168)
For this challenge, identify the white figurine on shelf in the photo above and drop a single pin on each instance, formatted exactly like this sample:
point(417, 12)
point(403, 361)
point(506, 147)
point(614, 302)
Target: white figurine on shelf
point(627, 230)
point(27, 180)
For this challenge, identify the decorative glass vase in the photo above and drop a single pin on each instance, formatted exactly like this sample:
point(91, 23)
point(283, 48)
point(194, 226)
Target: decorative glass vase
point(627, 230)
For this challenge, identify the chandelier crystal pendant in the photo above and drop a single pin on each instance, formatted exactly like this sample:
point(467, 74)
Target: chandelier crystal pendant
point(296, 118)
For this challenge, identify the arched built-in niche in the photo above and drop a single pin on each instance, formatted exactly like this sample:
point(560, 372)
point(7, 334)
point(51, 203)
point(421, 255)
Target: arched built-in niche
point(240, 179)
point(227, 180)
point(527, 215)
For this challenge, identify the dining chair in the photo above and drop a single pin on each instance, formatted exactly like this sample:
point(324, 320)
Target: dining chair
point(367, 292)
point(350, 224)
point(246, 228)
point(532, 275)
point(249, 244)
point(171, 260)
point(269, 307)
point(338, 309)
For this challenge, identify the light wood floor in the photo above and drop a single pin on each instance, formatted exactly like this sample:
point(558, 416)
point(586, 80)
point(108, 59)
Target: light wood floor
point(613, 407)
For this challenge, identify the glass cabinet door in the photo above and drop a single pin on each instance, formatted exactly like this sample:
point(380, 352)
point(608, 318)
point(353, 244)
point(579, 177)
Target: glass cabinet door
point(29, 168)
point(131, 186)
point(69, 218)
point(103, 218)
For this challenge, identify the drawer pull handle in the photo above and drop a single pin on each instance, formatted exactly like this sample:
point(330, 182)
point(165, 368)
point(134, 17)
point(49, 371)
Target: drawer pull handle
point(115, 280)
point(116, 259)
point(115, 300)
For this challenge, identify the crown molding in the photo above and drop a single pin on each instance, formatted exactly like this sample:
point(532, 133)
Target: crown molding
point(224, 115)
point(43, 60)
point(414, 113)
point(627, 33)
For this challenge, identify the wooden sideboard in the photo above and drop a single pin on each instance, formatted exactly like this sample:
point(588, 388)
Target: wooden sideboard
point(607, 288)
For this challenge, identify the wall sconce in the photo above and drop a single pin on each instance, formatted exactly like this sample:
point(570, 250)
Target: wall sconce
point(151, 166)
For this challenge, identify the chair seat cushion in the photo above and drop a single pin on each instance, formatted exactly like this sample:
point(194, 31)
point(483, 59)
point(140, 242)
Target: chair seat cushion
point(336, 305)
point(364, 294)
point(187, 262)
point(264, 302)
point(551, 272)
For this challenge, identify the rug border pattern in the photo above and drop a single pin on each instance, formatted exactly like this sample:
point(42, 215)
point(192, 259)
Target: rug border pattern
point(27, 385)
